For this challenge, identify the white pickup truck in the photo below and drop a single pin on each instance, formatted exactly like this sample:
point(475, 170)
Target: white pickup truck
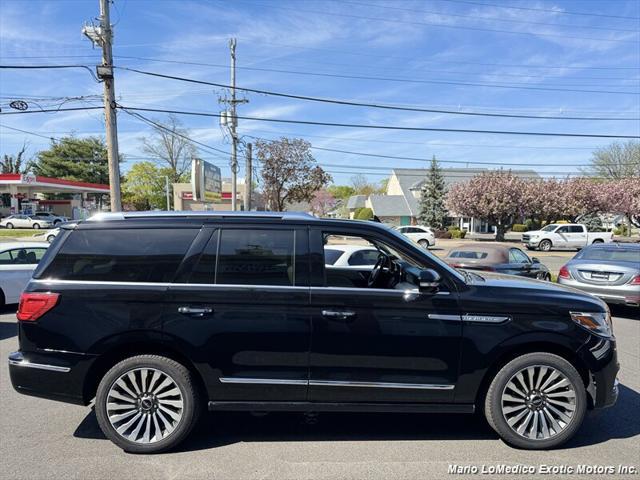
point(565, 235)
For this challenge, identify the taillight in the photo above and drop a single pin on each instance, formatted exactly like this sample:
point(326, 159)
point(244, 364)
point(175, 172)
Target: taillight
point(34, 305)
point(564, 272)
point(635, 280)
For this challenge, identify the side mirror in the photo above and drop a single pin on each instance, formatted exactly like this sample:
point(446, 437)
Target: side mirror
point(429, 281)
point(535, 260)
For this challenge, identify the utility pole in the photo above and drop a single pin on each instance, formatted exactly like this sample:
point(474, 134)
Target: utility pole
point(232, 123)
point(103, 36)
point(166, 186)
point(248, 180)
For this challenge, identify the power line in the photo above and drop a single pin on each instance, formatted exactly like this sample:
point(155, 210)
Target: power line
point(390, 127)
point(70, 109)
point(440, 25)
point(511, 7)
point(387, 79)
point(508, 65)
point(370, 105)
point(492, 19)
point(424, 160)
point(27, 132)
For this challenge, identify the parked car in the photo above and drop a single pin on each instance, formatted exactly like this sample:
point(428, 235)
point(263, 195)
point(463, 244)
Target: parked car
point(50, 235)
point(610, 271)
point(54, 219)
point(158, 315)
point(567, 235)
point(17, 261)
point(423, 236)
point(24, 221)
point(355, 256)
point(497, 258)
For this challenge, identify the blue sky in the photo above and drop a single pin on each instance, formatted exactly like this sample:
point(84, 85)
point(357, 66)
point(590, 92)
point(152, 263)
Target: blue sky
point(401, 46)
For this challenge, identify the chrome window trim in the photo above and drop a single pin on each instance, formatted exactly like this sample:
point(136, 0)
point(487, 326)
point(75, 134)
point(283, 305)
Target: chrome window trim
point(334, 383)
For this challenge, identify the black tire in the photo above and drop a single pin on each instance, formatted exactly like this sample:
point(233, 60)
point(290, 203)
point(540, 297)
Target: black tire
point(9, 225)
point(597, 240)
point(36, 226)
point(545, 245)
point(494, 402)
point(51, 238)
point(2, 304)
point(181, 377)
point(423, 243)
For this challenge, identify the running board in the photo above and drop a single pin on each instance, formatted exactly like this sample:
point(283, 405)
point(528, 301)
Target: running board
point(342, 407)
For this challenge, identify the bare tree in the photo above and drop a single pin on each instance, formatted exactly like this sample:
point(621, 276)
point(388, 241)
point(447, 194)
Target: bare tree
point(289, 172)
point(362, 186)
point(170, 147)
point(15, 163)
point(618, 160)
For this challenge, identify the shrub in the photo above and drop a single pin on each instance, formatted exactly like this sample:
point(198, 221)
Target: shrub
point(622, 230)
point(364, 214)
point(531, 225)
point(442, 234)
point(519, 227)
point(457, 233)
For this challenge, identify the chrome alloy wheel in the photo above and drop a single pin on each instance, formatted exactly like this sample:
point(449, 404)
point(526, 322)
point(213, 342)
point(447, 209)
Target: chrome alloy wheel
point(538, 402)
point(144, 405)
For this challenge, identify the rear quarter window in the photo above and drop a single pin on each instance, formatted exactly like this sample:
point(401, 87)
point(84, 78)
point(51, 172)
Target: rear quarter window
point(121, 255)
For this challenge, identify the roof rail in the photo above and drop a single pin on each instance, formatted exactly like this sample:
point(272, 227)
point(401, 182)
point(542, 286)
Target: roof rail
point(107, 216)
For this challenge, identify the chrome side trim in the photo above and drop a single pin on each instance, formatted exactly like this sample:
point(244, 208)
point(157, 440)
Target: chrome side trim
point(333, 383)
point(99, 282)
point(346, 383)
point(372, 290)
point(485, 318)
point(16, 359)
point(446, 318)
point(263, 381)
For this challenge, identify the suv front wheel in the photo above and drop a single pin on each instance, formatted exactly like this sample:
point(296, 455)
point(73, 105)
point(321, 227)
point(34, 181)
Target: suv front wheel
point(536, 401)
point(147, 404)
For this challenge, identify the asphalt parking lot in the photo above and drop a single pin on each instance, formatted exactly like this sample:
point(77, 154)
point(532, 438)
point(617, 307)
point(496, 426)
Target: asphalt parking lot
point(41, 439)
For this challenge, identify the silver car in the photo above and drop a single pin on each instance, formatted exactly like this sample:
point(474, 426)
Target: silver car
point(25, 221)
point(610, 271)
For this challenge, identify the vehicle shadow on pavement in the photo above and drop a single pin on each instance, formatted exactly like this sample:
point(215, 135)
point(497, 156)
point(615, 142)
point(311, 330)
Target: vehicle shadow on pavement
point(226, 428)
point(8, 330)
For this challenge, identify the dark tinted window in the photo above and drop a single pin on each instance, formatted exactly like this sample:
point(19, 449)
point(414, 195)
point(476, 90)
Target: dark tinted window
point(331, 256)
point(563, 230)
point(22, 256)
point(203, 272)
point(134, 255)
point(576, 229)
point(517, 256)
point(364, 257)
point(256, 257)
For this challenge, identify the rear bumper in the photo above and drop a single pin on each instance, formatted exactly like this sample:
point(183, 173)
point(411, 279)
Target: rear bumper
point(620, 294)
point(601, 358)
point(52, 375)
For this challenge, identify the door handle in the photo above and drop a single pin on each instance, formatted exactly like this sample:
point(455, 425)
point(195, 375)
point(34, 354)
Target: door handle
point(195, 311)
point(344, 315)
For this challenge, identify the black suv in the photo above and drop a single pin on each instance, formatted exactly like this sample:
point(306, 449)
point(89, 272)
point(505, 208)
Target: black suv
point(158, 315)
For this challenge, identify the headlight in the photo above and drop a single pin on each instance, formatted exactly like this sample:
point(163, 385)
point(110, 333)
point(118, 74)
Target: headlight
point(596, 322)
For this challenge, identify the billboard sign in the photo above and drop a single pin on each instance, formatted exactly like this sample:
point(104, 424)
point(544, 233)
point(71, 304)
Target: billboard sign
point(206, 181)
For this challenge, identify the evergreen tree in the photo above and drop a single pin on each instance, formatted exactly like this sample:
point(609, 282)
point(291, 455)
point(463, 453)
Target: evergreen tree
point(72, 158)
point(432, 208)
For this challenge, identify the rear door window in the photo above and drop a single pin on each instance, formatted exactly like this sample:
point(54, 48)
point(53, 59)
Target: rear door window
point(121, 255)
point(256, 257)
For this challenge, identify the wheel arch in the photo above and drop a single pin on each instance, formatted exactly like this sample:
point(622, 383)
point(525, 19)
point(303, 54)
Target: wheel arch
point(533, 347)
point(111, 357)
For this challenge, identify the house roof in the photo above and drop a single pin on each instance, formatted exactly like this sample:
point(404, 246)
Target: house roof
point(413, 179)
point(356, 201)
point(389, 206)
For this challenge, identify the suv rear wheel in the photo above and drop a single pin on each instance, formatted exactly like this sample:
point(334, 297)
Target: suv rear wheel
point(423, 243)
point(147, 404)
point(536, 401)
point(545, 245)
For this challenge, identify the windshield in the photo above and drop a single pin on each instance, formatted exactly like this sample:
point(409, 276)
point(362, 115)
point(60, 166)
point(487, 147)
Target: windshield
point(550, 228)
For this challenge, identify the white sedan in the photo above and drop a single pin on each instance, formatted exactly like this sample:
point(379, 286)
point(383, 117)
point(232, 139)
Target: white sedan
point(355, 256)
point(17, 262)
point(25, 221)
point(423, 236)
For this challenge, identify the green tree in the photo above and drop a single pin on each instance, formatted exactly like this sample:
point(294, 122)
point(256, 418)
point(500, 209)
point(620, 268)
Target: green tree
point(363, 214)
point(341, 192)
point(144, 187)
point(433, 212)
point(71, 158)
